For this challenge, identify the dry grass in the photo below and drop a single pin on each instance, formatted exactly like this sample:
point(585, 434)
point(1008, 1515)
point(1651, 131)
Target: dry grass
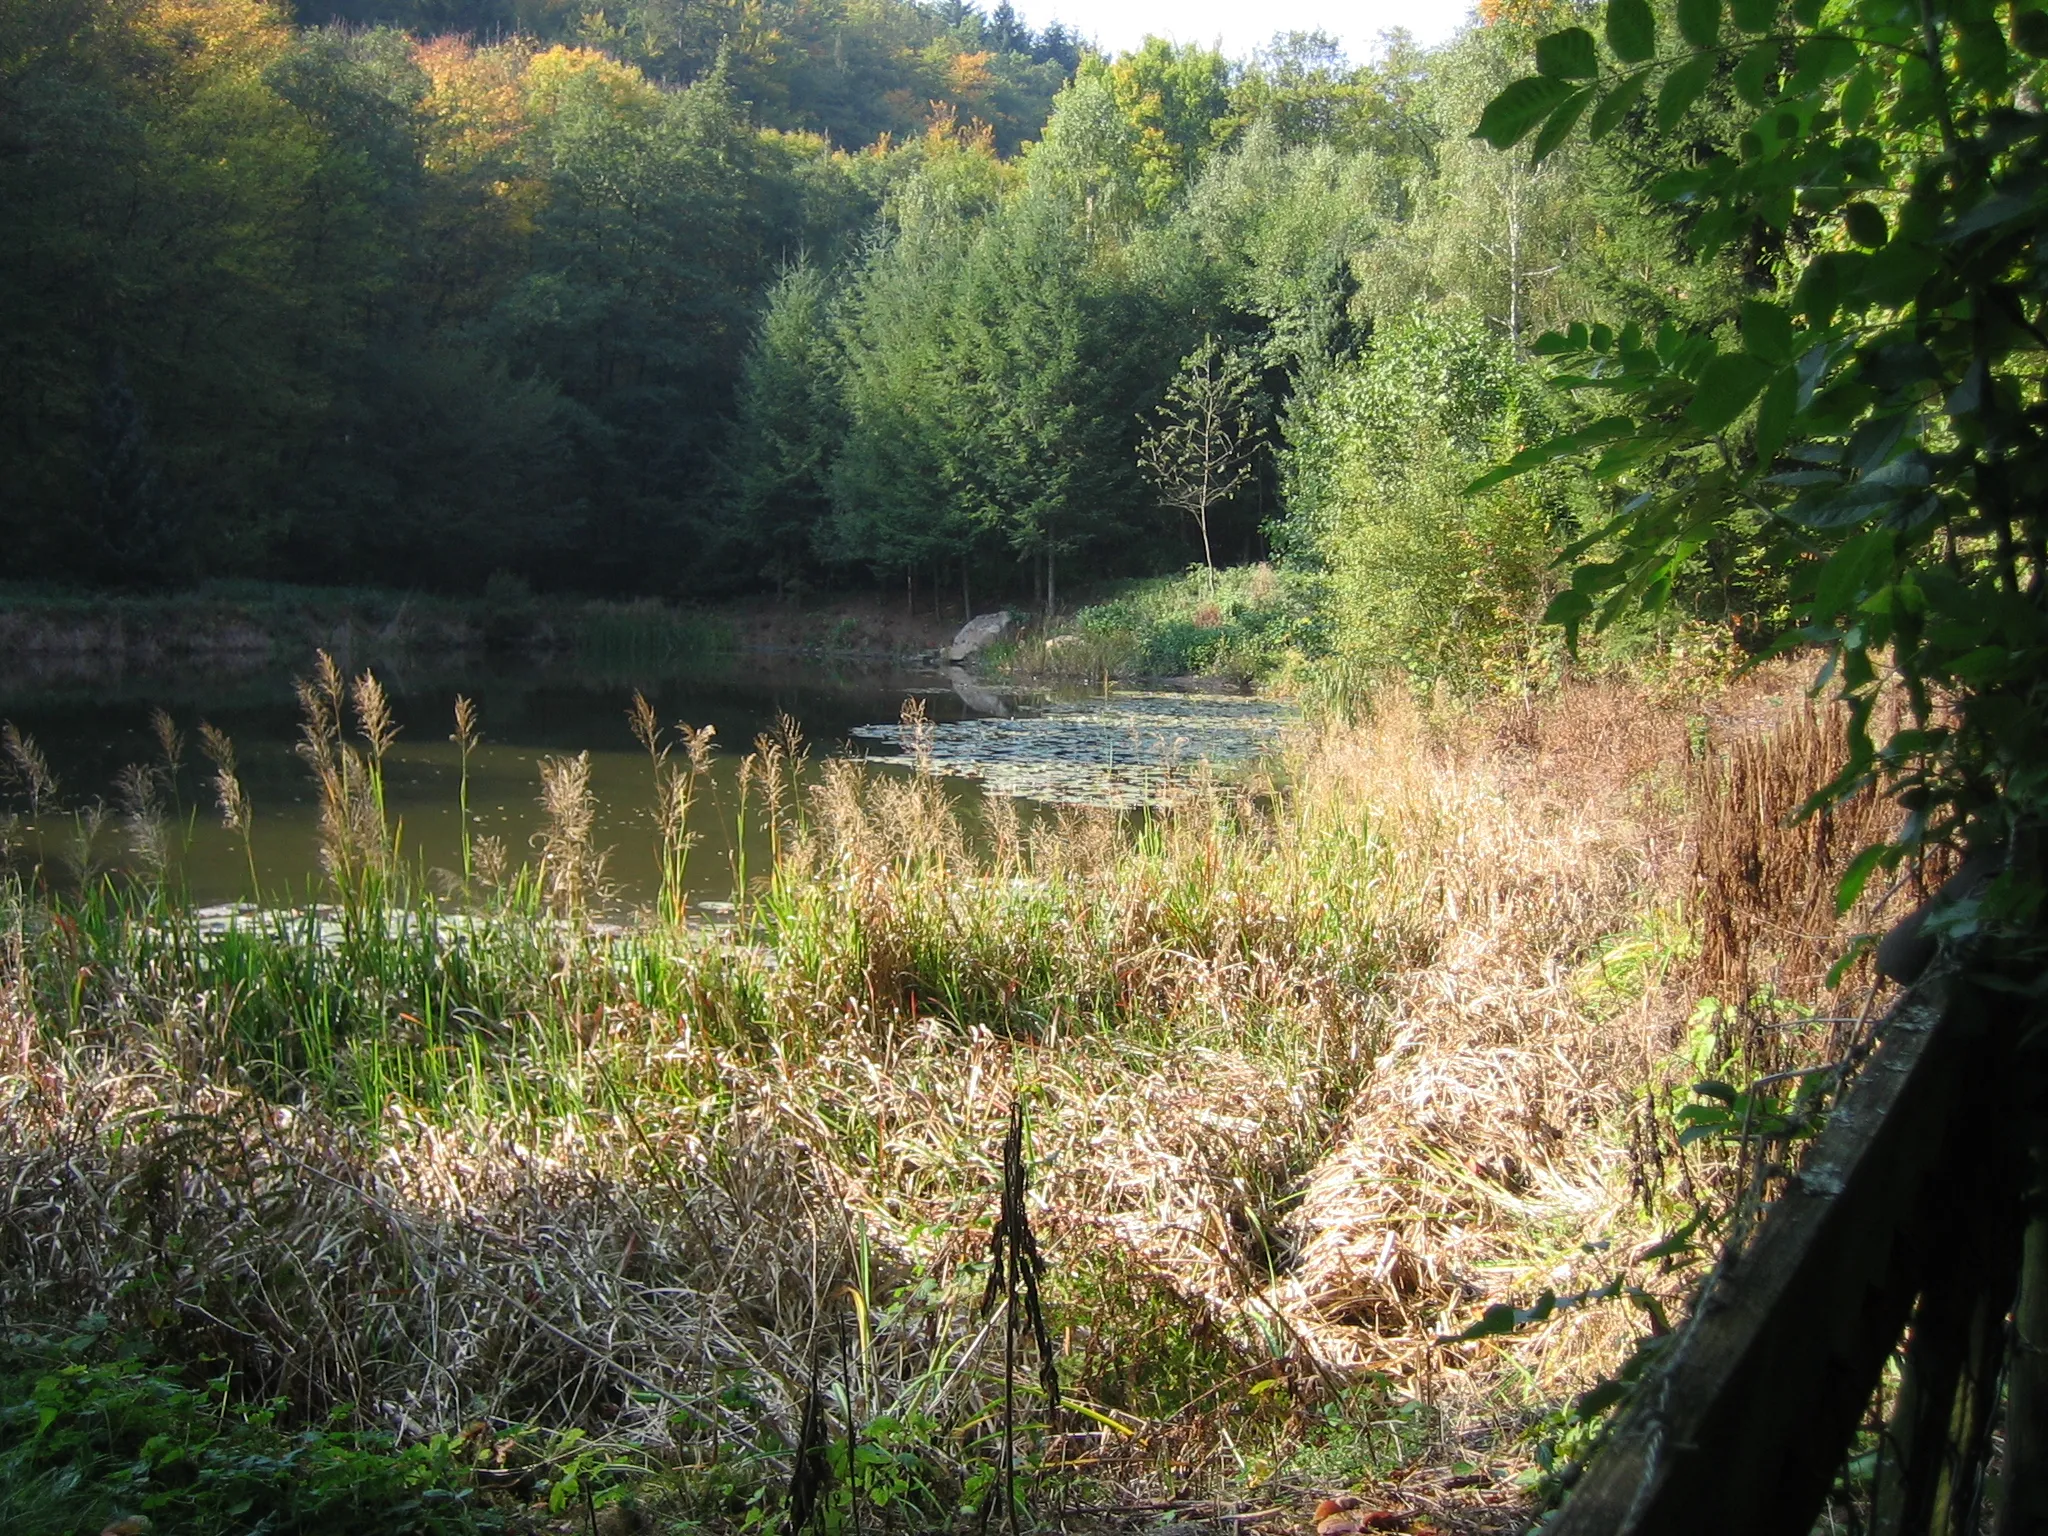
point(1313, 1075)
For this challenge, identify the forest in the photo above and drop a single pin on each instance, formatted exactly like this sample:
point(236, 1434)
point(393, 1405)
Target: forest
point(689, 303)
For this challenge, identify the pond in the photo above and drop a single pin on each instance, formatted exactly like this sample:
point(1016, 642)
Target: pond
point(1046, 748)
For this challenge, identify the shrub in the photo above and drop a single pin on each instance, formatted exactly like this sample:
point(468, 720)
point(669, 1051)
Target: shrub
point(1419, 577)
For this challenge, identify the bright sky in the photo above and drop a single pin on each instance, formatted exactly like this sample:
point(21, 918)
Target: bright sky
point(1245, 25)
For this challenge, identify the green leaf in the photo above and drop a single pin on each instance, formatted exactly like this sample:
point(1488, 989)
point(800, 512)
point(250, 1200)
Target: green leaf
point(1569, 610)
point(1615, 105)
point(1851, 571)
point(1606, 430)
point(1699, 22)
point(1753, 15)
point(1766, 331)
point(1561, 123)
point(1821, 287)
point(1753, 74)
point(1865, 224)
point(1497, 1319)
point(1568, 55)
point(1807, 12)
point(1774, 417)
point(1820, 59)
point(1858, 97)
point(1675, 1242)
point(1681, 88)
point(1511, 115)
point(1730, 382)
point(1981, 51)
point(1567, 607)
point(2029, 33)
point(1631, 30)
point(1858, 874)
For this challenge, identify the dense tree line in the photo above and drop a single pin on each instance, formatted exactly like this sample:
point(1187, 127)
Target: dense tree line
point(852, 70)
point(640, 296)
point(977, 394)
point(354, 302)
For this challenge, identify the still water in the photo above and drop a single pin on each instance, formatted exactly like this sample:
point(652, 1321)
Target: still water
point(1043, 748)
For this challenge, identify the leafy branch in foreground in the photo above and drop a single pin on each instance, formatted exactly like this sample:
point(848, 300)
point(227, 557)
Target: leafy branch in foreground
point(1880, 416)
point(1882, 407)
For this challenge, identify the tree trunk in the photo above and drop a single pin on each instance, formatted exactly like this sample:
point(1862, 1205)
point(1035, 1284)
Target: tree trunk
point(966, 608)
point(1051, 593)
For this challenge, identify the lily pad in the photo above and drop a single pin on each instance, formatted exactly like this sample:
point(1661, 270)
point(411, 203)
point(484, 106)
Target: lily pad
point(1117, 753)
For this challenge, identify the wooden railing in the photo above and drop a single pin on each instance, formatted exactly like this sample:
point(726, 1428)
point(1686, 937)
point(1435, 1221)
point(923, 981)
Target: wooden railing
point(1905, 1220)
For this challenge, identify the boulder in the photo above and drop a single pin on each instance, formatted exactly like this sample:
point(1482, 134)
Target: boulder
point(978, 633)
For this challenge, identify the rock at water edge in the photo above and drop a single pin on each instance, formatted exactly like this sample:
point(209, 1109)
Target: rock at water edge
point(978, 633)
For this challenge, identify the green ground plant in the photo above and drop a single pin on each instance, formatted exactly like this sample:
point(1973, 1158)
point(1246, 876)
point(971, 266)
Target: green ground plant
point(1238, 625)
point(93, 1433)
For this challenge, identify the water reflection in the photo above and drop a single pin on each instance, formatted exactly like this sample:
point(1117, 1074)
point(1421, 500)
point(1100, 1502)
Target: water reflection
point(1045, 748)
point(91, 731)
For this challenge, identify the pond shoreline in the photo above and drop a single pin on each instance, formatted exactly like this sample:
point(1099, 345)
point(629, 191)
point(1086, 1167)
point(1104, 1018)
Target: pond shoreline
point(56, 637)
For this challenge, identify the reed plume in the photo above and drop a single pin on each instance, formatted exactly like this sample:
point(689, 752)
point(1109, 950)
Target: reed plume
point(235, 812)
point(373, 715)
point(135, 787)
point(571, 868)
point(466, 736)
point(646, 728)
point(697, 745)
point(170, 744)
point(493, 862)
point(915, 734)
point(355, 834)
point(378, 730)
point(772, 768)
point(675, 792)
point(82, 854)
point(26, 767)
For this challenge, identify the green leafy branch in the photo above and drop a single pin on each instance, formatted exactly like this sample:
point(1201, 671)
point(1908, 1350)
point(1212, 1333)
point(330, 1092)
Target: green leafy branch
point(1881, 403)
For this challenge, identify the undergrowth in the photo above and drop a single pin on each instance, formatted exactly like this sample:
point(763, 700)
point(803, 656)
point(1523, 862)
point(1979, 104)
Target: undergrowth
point(1315, 1068)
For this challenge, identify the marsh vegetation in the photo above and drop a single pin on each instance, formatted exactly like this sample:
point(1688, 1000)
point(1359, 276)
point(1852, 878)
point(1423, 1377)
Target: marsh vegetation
point(1314, 1065)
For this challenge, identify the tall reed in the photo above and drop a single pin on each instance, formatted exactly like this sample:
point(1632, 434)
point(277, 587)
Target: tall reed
point(675, 792)
point(466, 736)
point(24, 763)
point(170, 743)
point(571, 867)
point(236, 814)
point(137, 790)
point(358, 843)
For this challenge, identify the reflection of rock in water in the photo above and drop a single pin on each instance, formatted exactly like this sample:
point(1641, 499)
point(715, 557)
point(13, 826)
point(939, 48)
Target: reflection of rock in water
point(1117, 752)
point(977, 697)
